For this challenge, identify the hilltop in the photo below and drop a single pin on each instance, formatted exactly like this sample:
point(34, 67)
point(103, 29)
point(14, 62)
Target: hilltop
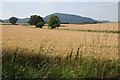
point(64, 18)
point(71, 18)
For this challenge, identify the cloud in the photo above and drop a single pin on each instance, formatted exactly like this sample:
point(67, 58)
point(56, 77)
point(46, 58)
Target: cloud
point(59, 0)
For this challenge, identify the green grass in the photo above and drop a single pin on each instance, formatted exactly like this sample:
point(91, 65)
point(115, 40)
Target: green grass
point(22, 63)
point(100, 31)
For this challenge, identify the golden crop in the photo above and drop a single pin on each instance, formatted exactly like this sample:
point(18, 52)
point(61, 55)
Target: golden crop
point(60, 42)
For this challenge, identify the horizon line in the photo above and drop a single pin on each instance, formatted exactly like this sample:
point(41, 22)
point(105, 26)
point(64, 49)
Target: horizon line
point(56, 13)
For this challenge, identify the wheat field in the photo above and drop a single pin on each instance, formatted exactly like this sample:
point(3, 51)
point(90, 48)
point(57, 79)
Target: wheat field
point(29, 52)
point(103, 26)
point(29, 37)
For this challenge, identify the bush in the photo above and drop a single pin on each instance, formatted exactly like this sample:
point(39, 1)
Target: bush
point(40, 25)
point(54, 22)
point(13, 20)
point(34, 20)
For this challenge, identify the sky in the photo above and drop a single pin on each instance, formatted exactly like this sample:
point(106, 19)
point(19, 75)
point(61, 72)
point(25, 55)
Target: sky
point(95, 10)
point(59, 0)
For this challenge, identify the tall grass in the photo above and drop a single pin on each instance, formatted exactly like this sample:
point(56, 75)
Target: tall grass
point(21, 63)
point(86, 61)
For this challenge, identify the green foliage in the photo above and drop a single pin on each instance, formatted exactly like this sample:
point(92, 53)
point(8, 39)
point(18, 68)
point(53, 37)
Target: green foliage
point(13, 20)
point(40, 25)
point(97, 31)
point(34, 20)
point(30, 64)
point(53, 22)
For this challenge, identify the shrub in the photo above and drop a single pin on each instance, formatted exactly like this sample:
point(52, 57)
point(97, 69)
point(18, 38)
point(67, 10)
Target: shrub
point(34, 20)
point(54, 22)
point(13, 20)
point(40, 25)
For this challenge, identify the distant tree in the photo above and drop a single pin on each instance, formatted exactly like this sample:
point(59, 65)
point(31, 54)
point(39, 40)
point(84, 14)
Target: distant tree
point(1, 21)
point(34, 20)
point(40, 25)
point(13, 20)
point(53, 22)
point(95, 22)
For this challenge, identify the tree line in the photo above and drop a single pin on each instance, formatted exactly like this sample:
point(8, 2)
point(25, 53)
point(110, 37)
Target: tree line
point(39, 22)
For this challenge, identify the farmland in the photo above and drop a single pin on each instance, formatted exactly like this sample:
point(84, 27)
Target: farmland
point(62, 42)
point(32, 38)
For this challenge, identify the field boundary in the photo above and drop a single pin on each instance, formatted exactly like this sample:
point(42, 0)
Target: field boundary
point(88, 30)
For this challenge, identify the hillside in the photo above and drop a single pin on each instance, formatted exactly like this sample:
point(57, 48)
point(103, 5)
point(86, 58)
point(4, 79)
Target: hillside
point(24, 20)
point(0, 20)
point(69, 18)
point(64, 18)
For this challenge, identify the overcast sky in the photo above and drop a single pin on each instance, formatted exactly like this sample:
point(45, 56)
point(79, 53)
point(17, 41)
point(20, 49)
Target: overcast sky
point(95, 10)
point(59, 0)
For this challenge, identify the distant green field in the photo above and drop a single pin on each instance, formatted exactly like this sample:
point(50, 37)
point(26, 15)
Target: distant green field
point(100, 31)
